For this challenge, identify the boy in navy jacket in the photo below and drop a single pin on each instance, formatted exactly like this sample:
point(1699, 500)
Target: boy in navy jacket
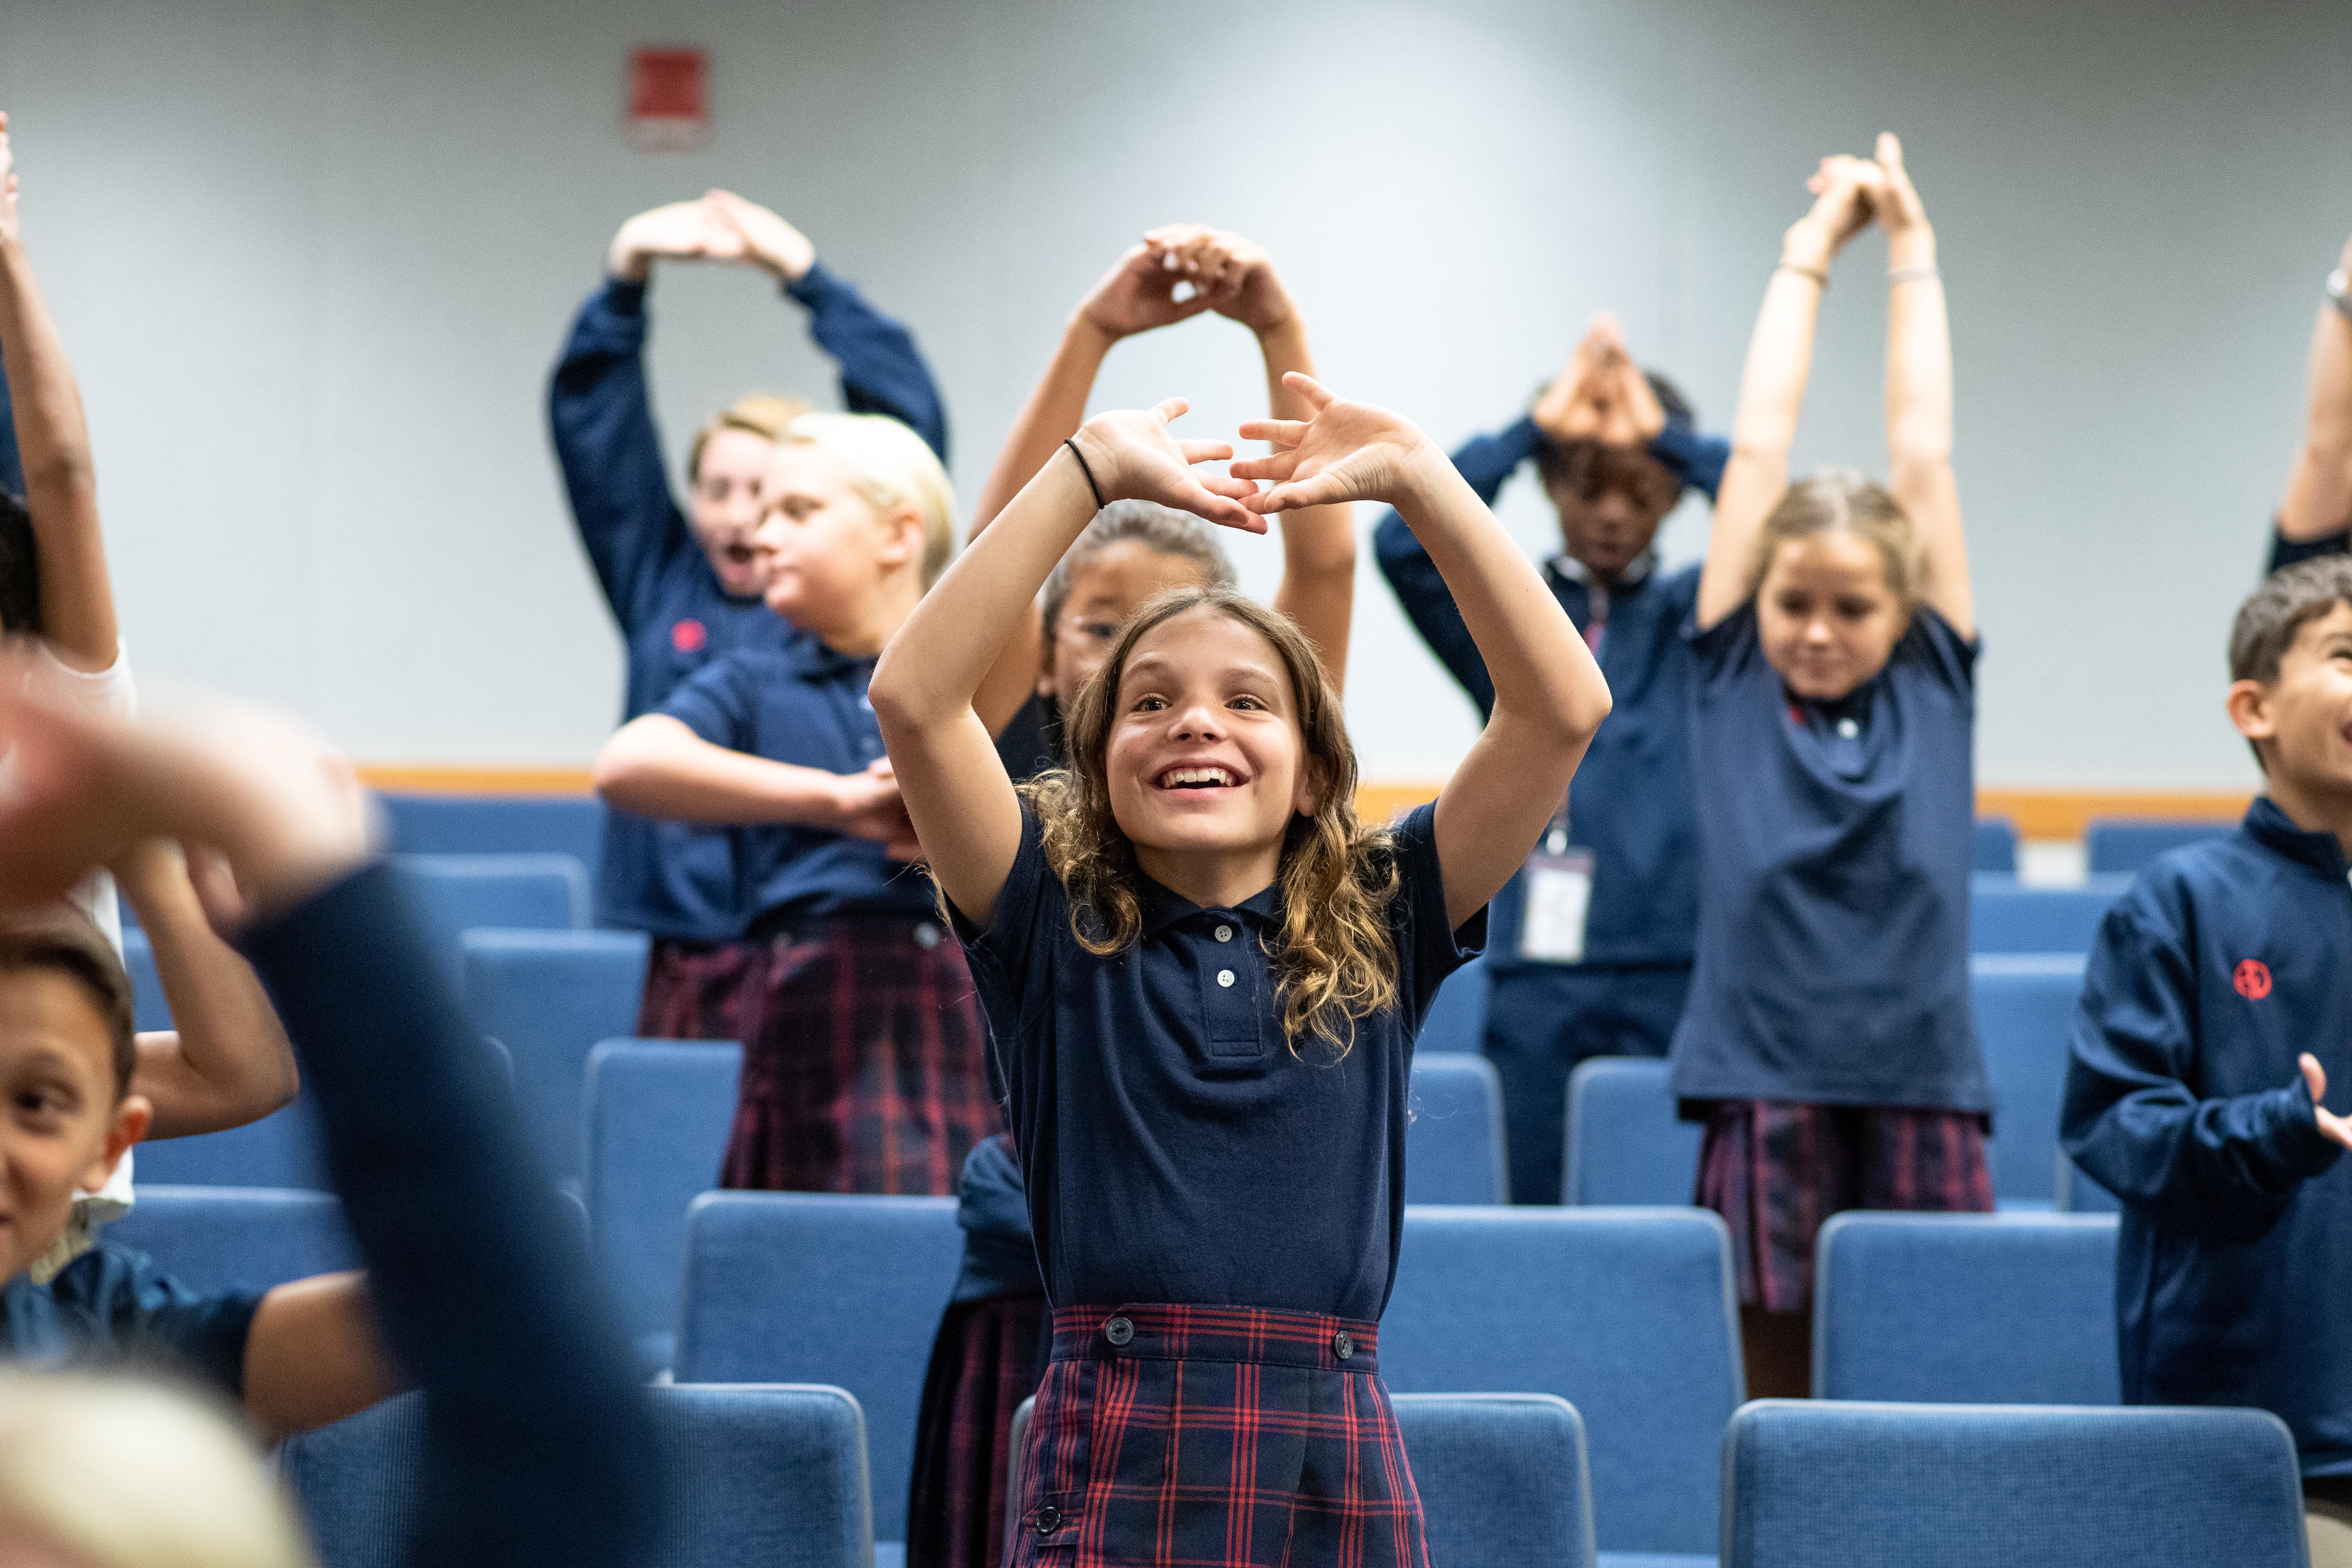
point(2214, 1018)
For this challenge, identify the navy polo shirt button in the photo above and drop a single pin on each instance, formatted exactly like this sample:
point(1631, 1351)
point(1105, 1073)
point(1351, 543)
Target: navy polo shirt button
point(1049, 1519)
point(1224, 977)
point(1343, 1345)
point(1224, 933)
point(1119, 1331)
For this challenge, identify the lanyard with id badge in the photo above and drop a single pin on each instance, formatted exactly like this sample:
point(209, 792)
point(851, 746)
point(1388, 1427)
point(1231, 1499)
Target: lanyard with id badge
point(1559, 881)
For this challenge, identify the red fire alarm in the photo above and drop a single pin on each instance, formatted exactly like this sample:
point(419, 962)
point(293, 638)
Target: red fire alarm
point(669, 103)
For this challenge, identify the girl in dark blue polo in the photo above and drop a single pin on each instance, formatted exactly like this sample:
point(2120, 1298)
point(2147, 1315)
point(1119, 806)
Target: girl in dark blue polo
point(1202, 977)
point(1828, 1043)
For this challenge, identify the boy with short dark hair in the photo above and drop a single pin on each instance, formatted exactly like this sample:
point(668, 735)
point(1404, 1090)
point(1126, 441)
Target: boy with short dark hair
point(2215, 1014)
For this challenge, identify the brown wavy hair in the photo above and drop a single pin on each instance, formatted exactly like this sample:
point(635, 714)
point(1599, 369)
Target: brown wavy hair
point(1335, 959)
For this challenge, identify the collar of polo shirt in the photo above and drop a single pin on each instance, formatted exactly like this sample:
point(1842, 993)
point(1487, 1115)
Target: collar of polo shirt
point(1162, 909)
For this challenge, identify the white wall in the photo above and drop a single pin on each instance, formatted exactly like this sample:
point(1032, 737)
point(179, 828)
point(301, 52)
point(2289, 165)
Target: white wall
point(314, 259)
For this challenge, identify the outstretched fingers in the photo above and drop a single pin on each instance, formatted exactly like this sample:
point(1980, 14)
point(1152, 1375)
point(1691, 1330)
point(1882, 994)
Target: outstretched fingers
point(1326, 489)
point(1281, 432)
point(1318, 397)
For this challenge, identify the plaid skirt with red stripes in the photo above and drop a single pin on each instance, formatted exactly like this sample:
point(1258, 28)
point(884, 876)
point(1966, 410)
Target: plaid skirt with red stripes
point(984, 1363)
point(1777, 1170)
point(699, 990)
point(1215, 1438)
point(863, 1063)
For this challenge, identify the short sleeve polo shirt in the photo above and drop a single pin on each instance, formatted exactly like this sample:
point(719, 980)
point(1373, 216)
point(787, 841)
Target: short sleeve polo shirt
point(1177, 1148)
point(111, 1308)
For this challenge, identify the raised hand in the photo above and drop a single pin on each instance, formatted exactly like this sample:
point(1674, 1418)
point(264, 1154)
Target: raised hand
point(1349, 451)
point(767, 239)
point(9, 232)
point(1132, 455)
point(1893, 198)
point(1139, 292)
point(1234, 275)
point(1632, 414)
point(1845, 190)
point(2334, 1128)
point(1567, 410)
point(676, 231)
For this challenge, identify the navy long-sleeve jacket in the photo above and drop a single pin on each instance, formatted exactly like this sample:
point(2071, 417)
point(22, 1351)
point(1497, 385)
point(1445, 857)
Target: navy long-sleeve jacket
point(1631, 804)
point(673, 878)
point(2233, 1281)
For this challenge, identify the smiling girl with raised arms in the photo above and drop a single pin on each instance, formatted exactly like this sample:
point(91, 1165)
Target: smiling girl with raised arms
point(1204, 977)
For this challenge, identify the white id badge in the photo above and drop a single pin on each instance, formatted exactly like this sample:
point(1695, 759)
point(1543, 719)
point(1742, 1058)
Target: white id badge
point(1560, 892)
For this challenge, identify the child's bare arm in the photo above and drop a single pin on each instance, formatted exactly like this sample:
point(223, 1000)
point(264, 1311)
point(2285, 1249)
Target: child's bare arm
point(228, 1061)
point(656, 766)
point(77, 602)
point(1773, 386)
point(1919, 392)
point(955, 789)
point(1549, 695)
point(313, 1356)
point(2319, 488)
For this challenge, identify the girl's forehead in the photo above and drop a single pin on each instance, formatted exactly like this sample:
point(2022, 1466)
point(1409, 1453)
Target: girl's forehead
point(1204, 640)
point(1828, 558)
point(804, 468)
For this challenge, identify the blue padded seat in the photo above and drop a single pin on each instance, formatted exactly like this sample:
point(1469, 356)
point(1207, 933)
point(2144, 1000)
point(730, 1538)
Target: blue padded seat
point(423, 824)
point(281, 1150)
point(548, 997)
point(2124, 846)
point(756, 1476)
point(149, 1011)
point(2007, 1308)
point(1454, 1145)
point(2005, 916)
point(1625, 1144)
point(1457, 1014)
point(236, 1238)
point(2025, 1015)
point(1503, 1477)
point(1994, 848)
point(1808, 1483)
point(1625, 1313)
point(453, 894)
point(2077, 1193)
point(824, 1288)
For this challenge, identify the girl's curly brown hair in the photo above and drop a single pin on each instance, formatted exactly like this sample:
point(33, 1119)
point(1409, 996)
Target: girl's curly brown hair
point(1335, 959)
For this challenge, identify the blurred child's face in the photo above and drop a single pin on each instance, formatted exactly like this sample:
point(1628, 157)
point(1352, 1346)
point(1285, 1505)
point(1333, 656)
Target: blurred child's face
point(724, 507)
point(61, 1127)
point(1824, 615)
point(1608, 520)
point(2302, 722)
point(824, 545)
point(1205, 752)
point(1111, 586)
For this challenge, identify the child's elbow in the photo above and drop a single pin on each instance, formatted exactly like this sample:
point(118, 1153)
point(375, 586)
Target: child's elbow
point(622, 767)
point(1586, 714)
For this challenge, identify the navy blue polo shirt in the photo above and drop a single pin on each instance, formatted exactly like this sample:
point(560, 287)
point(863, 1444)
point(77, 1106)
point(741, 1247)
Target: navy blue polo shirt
point(2286, 553)
point(806, 705)
point(1835, 842)
point(1176, 1148)
point(111, 1308)
point(2233, 1281)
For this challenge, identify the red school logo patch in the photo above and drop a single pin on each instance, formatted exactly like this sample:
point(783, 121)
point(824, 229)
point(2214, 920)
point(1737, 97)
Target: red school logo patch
point(2252, 979)
point(687, 637)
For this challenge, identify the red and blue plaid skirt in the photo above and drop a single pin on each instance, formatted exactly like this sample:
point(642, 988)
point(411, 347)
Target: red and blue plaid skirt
point(984, 1363)
point(699, 990)
point(1775, 1171)
point(1215, 1438)
point(864, 1064)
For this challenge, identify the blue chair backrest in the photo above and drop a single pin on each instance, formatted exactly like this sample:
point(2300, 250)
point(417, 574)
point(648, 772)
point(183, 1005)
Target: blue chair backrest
point(755, 1477)
point(1625, 1144)
point(1926, 1486)
point(1457, 1014)
point(1625, 1313)
point(1454, 1145)
point(2125, 845)
point(2025, 1012)
point(570, 825)
point(816, 1287)
point(2076, 1193)
point(453, 894)
point(548, 997)
point(1503, 1477)
point(281, 1150)
point(2008, 1309)
point(2005, 916)
point(658, 1113)
point(1995, 846)
point(148, 1008)
point(236, 1238)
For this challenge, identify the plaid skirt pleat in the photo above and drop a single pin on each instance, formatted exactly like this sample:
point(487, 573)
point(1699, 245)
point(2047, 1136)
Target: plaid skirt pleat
point(987, 1359)
point(1181, 1436)
point(700, 990)
point(1777, 1170)
point(863, 1065)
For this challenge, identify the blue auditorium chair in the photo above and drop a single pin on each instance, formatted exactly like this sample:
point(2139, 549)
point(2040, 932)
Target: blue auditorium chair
point(1995, 846)
point(1625, 1313)
point(824, 1288)
point(1454, 1145)
point(1503, 1477)
point(2005, 915)
point(755, 1477)
point(2025, 1015)
point(282, 1150)
point(658, 1118)
point(1809, 1482)
point(2077, 1193)
point(570, 825)
point(1952, 1309)
point(1458, 1014)
point(1625, 1144)
point(453, 894)
point(548, 997)
point(2126, 845)
point(148, 1008)
point(236, 1238)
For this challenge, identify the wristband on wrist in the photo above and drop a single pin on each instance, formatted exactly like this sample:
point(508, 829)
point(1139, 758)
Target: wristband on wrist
point(2339, 293)
point(1072, 444)
point(1912, 274)
point(1818, 274)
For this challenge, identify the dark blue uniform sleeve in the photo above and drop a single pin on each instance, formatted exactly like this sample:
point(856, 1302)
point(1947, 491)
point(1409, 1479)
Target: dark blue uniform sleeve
point(601, 417)
point(1694, 459)
point(119, 1308)
point(1429, 947)
point(2219, 1171)
point(2286, 553)
point(718, 703)
point(540, 1450)
point(882, 371)
point(12, 466)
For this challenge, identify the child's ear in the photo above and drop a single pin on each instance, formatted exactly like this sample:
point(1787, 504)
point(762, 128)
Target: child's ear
point(2248, 707)
point(902, 537)
point(1307, 799)
point(127, 1126)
